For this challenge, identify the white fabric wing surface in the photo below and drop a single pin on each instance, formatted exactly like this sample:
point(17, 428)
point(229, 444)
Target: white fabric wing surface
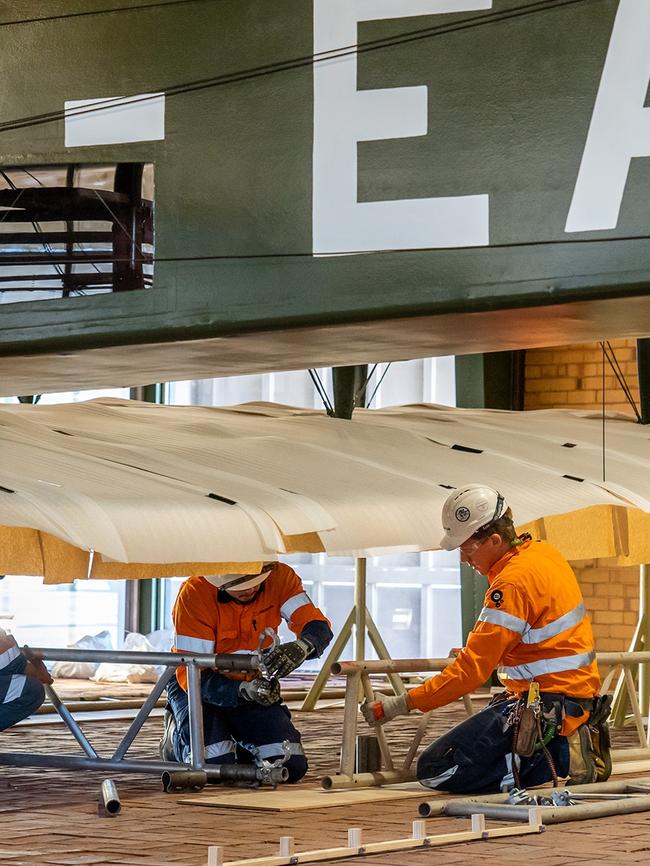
point(137, 482)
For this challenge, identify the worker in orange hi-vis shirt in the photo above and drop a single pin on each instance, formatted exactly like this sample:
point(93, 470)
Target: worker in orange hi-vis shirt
point(550, 722)
point(243, 715)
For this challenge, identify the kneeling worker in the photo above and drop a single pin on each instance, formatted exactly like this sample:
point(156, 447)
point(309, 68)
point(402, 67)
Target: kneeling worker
point(550, 722)
point(227, 614)
point(22, 674)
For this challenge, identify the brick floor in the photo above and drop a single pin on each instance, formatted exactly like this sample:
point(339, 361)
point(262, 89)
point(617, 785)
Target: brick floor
point(50, 816)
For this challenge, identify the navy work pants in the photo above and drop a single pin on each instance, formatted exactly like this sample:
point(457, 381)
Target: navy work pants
point(476, 757)
point(238, 734)
point(22, 696)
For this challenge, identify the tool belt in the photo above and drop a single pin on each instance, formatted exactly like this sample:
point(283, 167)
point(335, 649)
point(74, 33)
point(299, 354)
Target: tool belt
point(537, 717)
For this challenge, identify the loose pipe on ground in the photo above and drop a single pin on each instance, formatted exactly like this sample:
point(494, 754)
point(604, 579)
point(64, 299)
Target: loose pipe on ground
point(436, 808)
point(110, 801)
point(551, 814)
point(342, 781)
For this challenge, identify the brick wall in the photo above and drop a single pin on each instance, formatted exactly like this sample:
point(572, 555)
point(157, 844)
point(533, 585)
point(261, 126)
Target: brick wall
point(571, 377)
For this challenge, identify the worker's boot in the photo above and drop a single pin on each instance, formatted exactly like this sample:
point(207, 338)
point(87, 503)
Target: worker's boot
point(166, 745)
point(582, 763)
point(600, 739)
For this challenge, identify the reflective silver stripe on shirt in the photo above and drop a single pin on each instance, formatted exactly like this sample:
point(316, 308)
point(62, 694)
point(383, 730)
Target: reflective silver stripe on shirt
point(292, 604)
point(276, 750)
point(500, 617)
point(8, 656)
point(223, 747)
point(193, 644)
point(562, 623)
point(15, 689)
point(550, 666)
point(529, 634)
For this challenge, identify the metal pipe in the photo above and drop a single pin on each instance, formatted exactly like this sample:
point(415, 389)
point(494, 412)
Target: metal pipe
point(359, 609)
point(195, 709)
point(27, 759)
point(644, 617)
point(225, 662)
point(143, 713)
point(324, 673)
point(619, 755)
point(379, 731)
point(105, 704)
point(72, 725)
point(416, 665)
point(551, 814)
point(623, 658)
point(110, 798)
point(350, 713)
point(214, 772)
point(341, 781)
point(434, 808)
point(381, 666)
point(183, 780)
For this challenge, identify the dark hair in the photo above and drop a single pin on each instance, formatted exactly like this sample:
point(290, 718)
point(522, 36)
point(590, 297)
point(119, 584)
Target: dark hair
point(503, 526)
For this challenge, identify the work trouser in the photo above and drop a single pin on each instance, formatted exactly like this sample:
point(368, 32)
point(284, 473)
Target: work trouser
point(238, 734)
point(476, 756)
point(22, 696)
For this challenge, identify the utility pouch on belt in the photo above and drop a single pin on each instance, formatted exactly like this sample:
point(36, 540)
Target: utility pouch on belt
point(525, 730)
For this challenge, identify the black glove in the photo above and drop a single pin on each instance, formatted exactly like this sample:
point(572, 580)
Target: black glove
point(261, 691)
point(287, 657)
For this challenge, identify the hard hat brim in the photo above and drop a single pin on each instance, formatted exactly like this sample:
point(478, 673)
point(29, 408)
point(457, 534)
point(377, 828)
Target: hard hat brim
point(447, 543)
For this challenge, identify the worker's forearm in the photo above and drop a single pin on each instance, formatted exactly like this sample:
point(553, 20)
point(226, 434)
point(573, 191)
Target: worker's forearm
point(473, 667)
point(319, 635)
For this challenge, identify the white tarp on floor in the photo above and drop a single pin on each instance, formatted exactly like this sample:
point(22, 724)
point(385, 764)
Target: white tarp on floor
point(144, 484)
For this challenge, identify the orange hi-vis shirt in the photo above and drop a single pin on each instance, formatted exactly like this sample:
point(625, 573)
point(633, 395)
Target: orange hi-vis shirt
point(533, 627)
point(203, 624)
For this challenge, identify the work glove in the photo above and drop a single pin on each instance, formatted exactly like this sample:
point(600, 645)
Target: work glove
point(384, 709)
point(261, 691)
point(287, 657)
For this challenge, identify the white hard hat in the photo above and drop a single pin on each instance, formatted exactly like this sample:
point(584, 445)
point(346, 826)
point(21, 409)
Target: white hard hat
point(467, 510)
point(239, 581)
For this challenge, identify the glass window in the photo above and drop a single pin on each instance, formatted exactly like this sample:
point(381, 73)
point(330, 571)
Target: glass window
point(397, 613)
point(59, 615)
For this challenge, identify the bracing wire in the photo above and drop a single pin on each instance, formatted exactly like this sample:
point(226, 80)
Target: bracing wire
point(620, 375)
point(233, 257)
point(322, 393)
point(381, 379)
point(87, 13)
point(306, 60)
point(361, 393)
